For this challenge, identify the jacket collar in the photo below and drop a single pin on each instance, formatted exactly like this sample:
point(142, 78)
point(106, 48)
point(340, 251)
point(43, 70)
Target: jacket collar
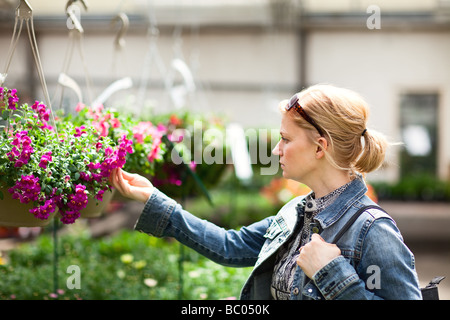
point(345, 200)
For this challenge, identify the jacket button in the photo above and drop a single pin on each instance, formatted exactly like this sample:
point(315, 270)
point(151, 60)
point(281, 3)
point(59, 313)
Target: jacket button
point(295, 291)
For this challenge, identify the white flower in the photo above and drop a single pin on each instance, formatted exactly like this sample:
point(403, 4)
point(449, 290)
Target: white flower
point(194, 274)
point(149, 282)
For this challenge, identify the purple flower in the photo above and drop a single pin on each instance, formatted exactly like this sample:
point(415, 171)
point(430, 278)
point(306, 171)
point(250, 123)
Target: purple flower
point(12, 99)
point(69, 216)
point(46, 126)
point(9, 97)
point(22, 149)
point(43, 212)
point(78, 201)
point(27, 189)
point(125, 146)
point(107, 166)
point(99, 195)
point(13, 154)
point(109, 151)
point(94, 166)
point(85, 176)
point(45, 159)
point(43, 114)
point(97, 177)
point(41, 109)
point(79, 131)
point(114, 158)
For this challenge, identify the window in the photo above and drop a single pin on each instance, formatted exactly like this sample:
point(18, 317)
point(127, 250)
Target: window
point(418, 121)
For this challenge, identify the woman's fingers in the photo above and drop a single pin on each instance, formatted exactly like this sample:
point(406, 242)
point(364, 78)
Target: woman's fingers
point(118, 181)
point(316, 254)
point(316, 236)
point(126, 175)
point(130, 185)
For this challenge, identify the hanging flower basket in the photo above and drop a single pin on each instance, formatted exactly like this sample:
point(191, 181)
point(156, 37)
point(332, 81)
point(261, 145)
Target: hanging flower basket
point(148, 149)
point(15, 214)
point(191, 136)
point(95, 208)
point(53, 167)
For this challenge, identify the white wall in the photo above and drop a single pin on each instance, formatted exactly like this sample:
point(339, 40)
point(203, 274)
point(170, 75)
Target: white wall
point(381, 65)
point(241, 75)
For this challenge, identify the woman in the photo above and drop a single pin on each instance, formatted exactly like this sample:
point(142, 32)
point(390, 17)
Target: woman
point(326, 145)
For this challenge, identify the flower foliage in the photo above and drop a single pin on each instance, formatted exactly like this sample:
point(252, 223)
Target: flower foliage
point(144, 137)
point(199, 141)
point(52, 167)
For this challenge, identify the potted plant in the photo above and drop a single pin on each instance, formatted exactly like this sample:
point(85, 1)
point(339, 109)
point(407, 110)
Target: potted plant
point(152, 142)
point(145, 137)
point(55, 168)
point(194, 137)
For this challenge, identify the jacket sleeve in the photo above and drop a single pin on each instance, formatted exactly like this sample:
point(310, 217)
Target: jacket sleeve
point(163, 217)
point(386, 269)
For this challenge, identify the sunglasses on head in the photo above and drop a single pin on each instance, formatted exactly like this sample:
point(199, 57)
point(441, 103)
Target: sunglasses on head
point(293, 103)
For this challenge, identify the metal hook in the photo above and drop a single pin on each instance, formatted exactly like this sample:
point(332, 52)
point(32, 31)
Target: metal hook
point(70, 2)
point(120, 41)
point(24, 10)
point(73, 12)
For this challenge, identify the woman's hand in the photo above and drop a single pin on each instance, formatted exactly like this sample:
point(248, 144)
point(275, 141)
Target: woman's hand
point(131, 185)
point(316, 254)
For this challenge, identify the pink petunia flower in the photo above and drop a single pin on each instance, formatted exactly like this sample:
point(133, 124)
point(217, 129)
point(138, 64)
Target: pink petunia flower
point(45, 159)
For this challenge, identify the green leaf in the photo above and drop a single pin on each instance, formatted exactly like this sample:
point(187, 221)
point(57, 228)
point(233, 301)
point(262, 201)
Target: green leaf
point(5, 114)
point(1, 196)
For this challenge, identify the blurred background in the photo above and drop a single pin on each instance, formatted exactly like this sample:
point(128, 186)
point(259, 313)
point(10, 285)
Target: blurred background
point(238, 59)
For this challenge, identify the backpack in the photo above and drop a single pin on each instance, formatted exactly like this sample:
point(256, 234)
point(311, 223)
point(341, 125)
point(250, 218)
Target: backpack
point(430, 292)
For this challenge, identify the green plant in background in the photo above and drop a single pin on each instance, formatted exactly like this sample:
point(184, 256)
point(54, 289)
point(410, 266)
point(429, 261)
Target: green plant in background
point(199, 141)
point(414, 188)
point(153, 156)
point(130, 265)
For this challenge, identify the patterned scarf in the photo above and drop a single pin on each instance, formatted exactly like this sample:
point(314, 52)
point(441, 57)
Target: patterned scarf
point(286, 259)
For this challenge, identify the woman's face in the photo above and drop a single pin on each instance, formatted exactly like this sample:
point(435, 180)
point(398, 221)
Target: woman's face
point(296, 150)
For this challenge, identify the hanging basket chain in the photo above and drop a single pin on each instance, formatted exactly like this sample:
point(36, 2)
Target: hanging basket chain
point(24, 12)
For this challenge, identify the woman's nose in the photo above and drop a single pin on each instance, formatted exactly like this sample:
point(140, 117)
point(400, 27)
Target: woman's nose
point(277, 151)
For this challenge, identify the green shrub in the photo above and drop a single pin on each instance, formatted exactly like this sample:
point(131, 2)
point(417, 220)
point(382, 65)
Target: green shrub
point(130, 265)
point(414, 188)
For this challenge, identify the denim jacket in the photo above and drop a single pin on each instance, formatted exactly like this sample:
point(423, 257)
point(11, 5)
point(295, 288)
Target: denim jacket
point(374, 262)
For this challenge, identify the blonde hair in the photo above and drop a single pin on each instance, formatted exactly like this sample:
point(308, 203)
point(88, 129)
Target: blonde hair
point(342, 115)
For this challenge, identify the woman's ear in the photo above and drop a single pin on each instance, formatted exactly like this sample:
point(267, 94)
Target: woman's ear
point(321, 148)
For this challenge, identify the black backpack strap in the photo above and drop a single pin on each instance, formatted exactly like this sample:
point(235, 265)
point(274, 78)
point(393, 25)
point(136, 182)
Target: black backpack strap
point(352, 220)
point(348, 225)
